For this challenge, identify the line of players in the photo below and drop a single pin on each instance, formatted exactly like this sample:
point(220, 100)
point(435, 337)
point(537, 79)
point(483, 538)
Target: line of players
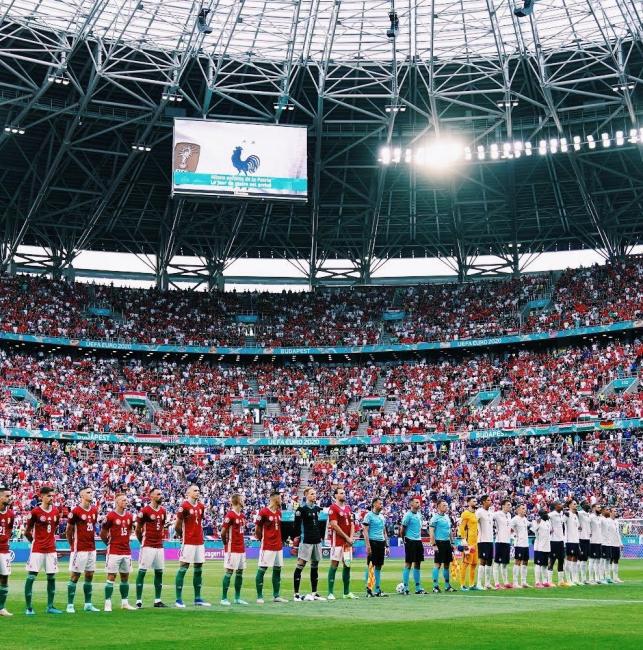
point(585, 543)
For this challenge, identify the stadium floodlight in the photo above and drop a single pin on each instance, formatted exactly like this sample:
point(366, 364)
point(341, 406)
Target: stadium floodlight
point(7, 129)
point(443, 153)
point(467, 153)
point(408, 156)
point(21, 131)
point(620, 138)
point(623, 87)
point(385, 155)
point(633, 136)
point(202, 21)
point(494, 151)
point(527, 148)
point(14, 130)
point(397, 154)
point(577, 143)
point(395, 108)
point(606, 140)
point(591, 142)
point(563, 145)
point(506, 150)
point(542, 147)
point(481, 154)
point(553, 145)
point(419, 156)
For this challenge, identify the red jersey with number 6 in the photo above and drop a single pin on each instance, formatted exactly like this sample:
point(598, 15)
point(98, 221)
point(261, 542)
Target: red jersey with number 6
point(83, 522)
point(6, 526)
point(119, 529)
point(153, 523)
point(271, 529)
point(233, 526)
point(44, 525)
point(192, 517)
point(344, 518)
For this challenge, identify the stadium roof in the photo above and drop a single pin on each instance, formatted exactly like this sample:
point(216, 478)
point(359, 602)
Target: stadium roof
point(85, 80)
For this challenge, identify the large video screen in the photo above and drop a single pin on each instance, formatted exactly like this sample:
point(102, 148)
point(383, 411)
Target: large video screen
point(239, 159)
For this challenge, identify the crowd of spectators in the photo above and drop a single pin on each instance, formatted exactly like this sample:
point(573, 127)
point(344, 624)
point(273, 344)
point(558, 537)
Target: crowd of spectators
point(602, 467)
point(597, 295)
point(198, 398)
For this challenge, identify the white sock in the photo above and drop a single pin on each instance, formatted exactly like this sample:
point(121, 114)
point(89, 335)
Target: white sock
point(616, 570)
point(123, 601)
point(538, 572)
point(574, 571)
point(567, 571)
point(517, 572)
point(524, 574)
point(495, 574)
point(582, 566)
point(550, 576)
point(561, 577)
point(488, 575)
point(481, 573)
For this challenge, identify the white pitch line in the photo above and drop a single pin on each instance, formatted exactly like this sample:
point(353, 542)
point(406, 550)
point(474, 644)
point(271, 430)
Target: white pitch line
point(548, 598)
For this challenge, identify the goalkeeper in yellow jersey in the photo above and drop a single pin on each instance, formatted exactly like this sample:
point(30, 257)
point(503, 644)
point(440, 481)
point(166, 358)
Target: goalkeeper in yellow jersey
point(468, 532)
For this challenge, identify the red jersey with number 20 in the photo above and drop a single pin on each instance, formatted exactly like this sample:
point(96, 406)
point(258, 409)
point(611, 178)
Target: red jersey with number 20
point(344, 518)
point(6, 526)
point(119, 528)
point(271, 529)
point(153, 523)
point(233, 526)
point(192, 517)
point(44, 529)
point(84, 522)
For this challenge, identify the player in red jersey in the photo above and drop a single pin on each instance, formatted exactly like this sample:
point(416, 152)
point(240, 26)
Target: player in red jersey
point(41, 532)
point(268, 530)
point(7, 519)
point(234, 558)
point(340, 531)
point(80, 533)
point(150, 531)
point(115, 533)
point(189, 529)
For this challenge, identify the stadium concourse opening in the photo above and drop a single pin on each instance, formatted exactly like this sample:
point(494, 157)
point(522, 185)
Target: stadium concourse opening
point(423, 425)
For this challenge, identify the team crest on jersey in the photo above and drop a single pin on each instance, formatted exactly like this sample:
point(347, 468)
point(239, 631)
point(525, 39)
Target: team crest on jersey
point(43, 519)
point(152, 517)
point(83, 517)
point(269, 518)
point(191, 511)
point(118, 522)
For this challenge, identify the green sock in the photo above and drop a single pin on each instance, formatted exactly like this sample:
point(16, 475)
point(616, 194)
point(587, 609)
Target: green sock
point(109, 590)
point(71, 592)
point(346, 579)
point(178, 581)
point(158, 584)
point(276, 581)
point(124, 589)
point(261, 572)
point(140, 579)
point(197, 581)
point(332, 571)
point(4, 591)
point(29, 588)
point(87, 591)
point(51, 590)
point(226, 584)
point(238, 581)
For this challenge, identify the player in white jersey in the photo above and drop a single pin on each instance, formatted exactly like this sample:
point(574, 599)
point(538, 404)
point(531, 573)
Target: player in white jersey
point(595, 546)
point(502, 555)
point(606, 549)
point(520, 530)
point(542, 548)
point(572, 543)
point(485, 543)
point(583, 544)
point(557, 554)
point(615, 543)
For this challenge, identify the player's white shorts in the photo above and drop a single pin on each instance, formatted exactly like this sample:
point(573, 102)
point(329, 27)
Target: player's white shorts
point(38, 561)
point(81, 561)
point(234, 561)
point(5, 564)
point(192, 554)
point(271, 558)
point(341, 554)
point(151, 558)
point(118, 563)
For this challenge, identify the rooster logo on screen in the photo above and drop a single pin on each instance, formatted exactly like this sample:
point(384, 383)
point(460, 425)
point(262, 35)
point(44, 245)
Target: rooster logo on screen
point(247, 166)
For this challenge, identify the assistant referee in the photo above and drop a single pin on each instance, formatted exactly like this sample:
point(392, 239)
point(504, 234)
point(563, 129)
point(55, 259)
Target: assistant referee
point(374, 529)
point(440, 539)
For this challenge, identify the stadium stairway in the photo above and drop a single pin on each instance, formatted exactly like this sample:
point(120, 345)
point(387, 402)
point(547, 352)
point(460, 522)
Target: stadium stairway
point(273, 409)
point(253, 386)
point(391, 406)
point(304, 480)
point(627, 385)
point(380, 386)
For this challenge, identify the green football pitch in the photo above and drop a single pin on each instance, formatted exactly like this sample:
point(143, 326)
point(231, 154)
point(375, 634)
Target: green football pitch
point(605, 616)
